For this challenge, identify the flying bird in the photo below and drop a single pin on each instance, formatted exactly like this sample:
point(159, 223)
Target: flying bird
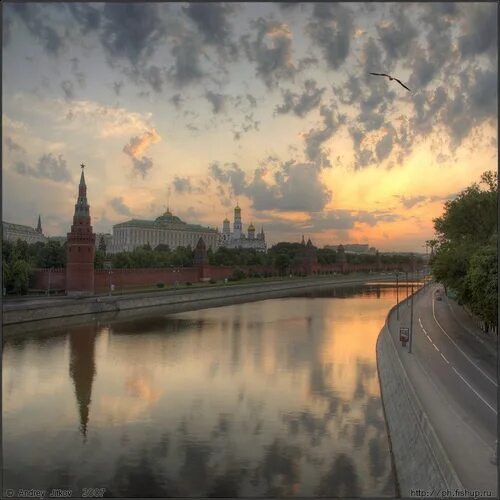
point(392, 78)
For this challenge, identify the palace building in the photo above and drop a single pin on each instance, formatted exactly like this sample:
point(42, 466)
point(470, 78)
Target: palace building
point(168, 229)
point(237, 238)
point(14, 232)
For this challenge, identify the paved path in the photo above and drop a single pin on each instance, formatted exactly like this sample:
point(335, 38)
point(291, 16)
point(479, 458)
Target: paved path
point(455, 378)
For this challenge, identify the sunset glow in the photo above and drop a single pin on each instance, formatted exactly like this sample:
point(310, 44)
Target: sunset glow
point(268, 105)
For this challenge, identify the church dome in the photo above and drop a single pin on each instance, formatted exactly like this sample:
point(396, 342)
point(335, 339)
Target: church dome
point(226, 220)
point(251, 227)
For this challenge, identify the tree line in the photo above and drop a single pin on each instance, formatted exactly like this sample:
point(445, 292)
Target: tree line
point(20, 259)
point(464, 252)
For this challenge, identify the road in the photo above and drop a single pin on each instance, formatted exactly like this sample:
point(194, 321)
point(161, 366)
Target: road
point(455, 377)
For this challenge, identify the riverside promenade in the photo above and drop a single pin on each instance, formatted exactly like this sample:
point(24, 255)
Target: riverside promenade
point(440, 400)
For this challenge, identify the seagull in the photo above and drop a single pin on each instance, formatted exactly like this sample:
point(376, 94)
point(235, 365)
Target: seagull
point(391, 78)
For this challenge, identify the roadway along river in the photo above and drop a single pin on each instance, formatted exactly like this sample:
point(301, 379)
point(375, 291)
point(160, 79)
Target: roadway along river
point(273, 398)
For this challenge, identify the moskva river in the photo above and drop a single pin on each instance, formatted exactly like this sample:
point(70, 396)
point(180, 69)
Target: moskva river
point(273, 398)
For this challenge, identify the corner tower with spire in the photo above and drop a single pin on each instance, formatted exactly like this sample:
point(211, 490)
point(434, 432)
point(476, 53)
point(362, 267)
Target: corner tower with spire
point(80, 247)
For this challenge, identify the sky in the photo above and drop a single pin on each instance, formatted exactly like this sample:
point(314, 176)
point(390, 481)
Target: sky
point(201, 106)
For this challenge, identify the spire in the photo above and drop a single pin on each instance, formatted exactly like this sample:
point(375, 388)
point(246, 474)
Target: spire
point(82, 177)
point(39, 225)
point(81, 206)
point(303, 242)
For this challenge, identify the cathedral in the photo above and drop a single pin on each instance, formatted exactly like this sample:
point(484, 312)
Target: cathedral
point(237, 238)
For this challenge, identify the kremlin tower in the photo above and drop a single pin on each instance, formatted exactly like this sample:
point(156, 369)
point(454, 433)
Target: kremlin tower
point(80, 247)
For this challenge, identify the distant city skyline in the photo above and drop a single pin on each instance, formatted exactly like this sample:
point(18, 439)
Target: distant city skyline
point(265, 105)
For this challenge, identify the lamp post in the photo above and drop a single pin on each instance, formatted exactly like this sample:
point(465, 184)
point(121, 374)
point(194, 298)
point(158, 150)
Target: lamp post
point(406, 286)
point(397, 295)
point(109, 281)
point(411, 321)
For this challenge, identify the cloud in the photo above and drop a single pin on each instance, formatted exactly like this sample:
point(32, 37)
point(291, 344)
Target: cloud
point(293, 186)
point(472, 104)
point(232, 175)
point(86, 16)
point(68, 89)
point(117, 87)
point(176, 100)
point(186, 69)
point(332, 120)
point(182, 185)
point(213, 24)
point(155, 77)
point(301, 104)
point(218, 101)
point(119, 206)
point(331, 31)
point(32, 15)
point(296, 187)
point(47, 167)
point(271, 51)
point(397, 34)
point(108, 121)
point(13, 147)
point(384, 145)
point(248, 124)
point(424, 69)
point(481, 32)
point(132, 32)
point(136, 146)
point(252, 101)
point(411, 201)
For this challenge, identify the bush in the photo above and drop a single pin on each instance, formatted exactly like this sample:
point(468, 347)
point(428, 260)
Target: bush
point(160, 285)
point(188, 283)
point(237, 275)
point(212, 281)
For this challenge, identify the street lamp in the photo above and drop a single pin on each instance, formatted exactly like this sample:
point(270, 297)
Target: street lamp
point(397, 295)
point(109, 281)
point(411, 321)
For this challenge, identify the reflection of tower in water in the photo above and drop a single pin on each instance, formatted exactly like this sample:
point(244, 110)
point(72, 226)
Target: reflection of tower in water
point(82, 370)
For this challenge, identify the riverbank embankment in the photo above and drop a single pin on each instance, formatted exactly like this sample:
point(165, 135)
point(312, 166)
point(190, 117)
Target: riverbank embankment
point(420, 460)
point(171, 301)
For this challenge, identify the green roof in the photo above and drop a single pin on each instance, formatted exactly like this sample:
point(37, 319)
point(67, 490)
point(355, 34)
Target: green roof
point(165, 221)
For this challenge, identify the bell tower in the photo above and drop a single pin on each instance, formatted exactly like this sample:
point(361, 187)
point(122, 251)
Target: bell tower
point(80, 247)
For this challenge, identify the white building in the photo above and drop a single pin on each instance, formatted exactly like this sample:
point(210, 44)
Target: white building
point(14, 232)
point(237, 238)
point(167, 229)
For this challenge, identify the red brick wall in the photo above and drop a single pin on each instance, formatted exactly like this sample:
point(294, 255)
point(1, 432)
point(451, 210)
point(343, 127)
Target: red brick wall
point(127, 278)
point(57, 279)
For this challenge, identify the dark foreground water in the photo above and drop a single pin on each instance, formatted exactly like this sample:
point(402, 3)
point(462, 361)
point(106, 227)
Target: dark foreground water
point(272, 398)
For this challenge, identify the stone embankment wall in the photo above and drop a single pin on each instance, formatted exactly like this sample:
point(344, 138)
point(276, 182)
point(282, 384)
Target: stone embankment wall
point(419, 457)
point(170, 301)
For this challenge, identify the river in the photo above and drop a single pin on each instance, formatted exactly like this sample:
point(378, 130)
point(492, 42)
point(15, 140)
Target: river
point(273, 398)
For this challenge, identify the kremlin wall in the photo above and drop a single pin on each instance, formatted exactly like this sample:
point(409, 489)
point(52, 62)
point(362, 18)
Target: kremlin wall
point(79, 278)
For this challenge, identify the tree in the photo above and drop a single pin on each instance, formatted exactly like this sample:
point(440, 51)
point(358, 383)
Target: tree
point(102, 244)
point(282, 262)
point(99, 259)
point(19, 275)
point(465, 256)
point(482, 282)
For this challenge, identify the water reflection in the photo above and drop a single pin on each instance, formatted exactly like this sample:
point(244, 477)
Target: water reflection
point(271, 398)
point(82, 370)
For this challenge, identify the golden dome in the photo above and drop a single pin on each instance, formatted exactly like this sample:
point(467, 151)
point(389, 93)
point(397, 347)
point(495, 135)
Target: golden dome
point(251, 228)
